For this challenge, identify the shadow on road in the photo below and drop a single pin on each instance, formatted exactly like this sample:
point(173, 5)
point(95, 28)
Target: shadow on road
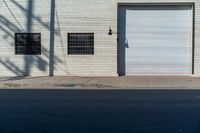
point(99, 111)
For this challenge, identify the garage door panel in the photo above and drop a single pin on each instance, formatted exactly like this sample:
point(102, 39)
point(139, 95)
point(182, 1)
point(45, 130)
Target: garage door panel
point(157, 51)
point(158, 72)
point(159, 23)
point(158, 69)
point(156, 44)
point(151, 34)
point(171, 33)
point(156, 37)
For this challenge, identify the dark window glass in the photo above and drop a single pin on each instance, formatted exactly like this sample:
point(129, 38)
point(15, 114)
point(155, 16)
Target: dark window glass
point(27, 43)
point(81, 43)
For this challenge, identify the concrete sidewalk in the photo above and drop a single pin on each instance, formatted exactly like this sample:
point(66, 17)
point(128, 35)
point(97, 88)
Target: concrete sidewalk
point(137, 82)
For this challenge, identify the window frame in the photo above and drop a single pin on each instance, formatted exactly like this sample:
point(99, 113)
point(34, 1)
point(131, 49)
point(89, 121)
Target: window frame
point(16, 46)
point(76, 53)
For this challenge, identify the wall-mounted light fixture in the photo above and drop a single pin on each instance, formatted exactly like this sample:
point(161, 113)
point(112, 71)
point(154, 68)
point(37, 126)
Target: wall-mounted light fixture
point(111, 32)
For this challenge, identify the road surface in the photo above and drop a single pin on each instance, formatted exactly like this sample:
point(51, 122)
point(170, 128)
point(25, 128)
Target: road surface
point(99, 111)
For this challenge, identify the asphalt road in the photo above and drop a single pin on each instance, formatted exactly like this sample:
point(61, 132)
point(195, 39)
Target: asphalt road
point(99, 111)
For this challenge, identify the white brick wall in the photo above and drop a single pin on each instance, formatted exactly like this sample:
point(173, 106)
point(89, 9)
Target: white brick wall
point(73, 16)
point(94, 16)
point(15, 65)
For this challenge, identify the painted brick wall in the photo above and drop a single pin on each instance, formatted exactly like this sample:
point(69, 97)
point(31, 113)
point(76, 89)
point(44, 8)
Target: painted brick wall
point(71, 16)
point(82, 16)
point(15, 65)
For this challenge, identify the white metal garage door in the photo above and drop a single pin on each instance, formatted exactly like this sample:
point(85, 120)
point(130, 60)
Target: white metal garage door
point(155, 40)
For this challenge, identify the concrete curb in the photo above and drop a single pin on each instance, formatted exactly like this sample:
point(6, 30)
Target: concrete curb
point(135, 83)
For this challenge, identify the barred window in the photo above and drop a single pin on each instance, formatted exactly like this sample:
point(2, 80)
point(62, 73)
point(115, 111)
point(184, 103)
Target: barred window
point(27, 43)
point(80, 43)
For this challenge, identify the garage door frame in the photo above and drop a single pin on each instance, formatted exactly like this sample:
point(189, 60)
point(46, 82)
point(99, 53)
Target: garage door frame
point(192, 4)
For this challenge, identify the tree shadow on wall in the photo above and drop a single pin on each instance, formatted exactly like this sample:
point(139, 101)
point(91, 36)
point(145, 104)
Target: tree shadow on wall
point(9, 28)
